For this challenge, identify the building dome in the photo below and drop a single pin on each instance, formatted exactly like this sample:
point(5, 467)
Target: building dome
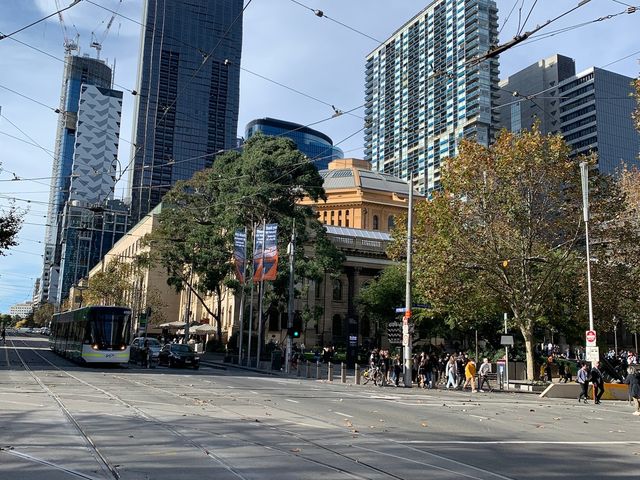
point(348, 173)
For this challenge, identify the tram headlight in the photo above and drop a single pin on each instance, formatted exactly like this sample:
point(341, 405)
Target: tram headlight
point(123, 347)
point(94, 346)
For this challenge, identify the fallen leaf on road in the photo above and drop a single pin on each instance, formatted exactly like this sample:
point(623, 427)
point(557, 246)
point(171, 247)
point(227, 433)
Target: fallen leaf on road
point(295, 450)
point(557, 418)
point(424, 424)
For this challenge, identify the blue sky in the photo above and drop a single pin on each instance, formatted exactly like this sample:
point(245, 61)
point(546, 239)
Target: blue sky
point(282, 41)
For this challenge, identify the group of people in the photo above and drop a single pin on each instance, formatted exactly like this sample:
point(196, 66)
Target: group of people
point(461, 372)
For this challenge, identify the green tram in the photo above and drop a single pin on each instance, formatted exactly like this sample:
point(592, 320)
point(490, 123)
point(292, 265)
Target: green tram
point(92, 334)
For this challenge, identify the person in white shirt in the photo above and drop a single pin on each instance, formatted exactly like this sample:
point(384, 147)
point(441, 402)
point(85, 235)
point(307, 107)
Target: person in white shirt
point(484, 371)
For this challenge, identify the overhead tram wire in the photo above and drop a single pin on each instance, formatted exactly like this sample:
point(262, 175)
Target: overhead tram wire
point(321, 14)
point(202, 52)
point(530, 96)
point(515, 4)
point(57, 12)
point(524, 24)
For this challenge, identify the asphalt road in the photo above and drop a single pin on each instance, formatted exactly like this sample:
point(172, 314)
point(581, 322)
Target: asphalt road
point(59, 421)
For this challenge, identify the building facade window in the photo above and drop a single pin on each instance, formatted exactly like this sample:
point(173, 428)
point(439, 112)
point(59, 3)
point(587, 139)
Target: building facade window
point(391, 223)
point(375, 222)
point(337, 289)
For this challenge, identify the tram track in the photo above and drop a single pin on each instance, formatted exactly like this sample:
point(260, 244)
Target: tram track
point(357, 461)
point(142, 415)
point(105, 464)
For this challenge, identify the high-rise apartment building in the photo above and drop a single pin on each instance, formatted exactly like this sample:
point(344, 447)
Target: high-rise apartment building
point(85, 153)
point(591, 109)
point(517, 111)
point(189, 86)
point(424, 90)
point(317, 146)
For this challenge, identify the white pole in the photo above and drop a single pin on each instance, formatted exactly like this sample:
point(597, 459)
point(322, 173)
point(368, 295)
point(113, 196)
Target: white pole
point(291, 298)
point(584, 173)
point(405, 327)
point(506, 355)
point(242, 295)
point(261, 293)
point(253, 233)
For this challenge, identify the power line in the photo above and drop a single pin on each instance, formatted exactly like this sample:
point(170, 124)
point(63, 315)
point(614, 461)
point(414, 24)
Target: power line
point(528, 15)
point(75, 2)
point(321, 14)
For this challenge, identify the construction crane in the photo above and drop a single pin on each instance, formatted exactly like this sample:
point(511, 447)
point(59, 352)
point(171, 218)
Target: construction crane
point(70, 45)
point(97, 43)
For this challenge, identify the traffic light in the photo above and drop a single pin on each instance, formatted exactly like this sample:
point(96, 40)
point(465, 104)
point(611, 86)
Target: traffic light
point(293, 332)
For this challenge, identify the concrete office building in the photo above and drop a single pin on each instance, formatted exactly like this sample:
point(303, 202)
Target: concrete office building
point(22, 310)
point(422, 93)
point(591, 109)
point(317, 146)
point(188, 84)
point(85, 158)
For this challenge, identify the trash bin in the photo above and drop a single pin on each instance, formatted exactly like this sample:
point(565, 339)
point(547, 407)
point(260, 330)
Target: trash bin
point(276, 360)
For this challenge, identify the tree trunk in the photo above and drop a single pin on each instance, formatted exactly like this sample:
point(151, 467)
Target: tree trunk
point(527, 332)
point(218, 319)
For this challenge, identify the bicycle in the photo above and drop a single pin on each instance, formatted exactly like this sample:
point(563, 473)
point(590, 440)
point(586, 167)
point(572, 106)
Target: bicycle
point(374, 373)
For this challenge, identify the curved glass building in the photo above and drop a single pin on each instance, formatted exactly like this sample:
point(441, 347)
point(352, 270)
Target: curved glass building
point(315, 145)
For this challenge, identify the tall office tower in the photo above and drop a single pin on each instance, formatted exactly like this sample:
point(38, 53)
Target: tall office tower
point(517, 111)
point(189, 87)
point(83, 77)
point(317, 146)
point(424, 91)
point(591, 109)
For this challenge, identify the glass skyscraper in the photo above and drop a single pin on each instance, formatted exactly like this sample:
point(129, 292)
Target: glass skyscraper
point(188, 94)
point(424, 91)
point(84, 160)
point(317, 146)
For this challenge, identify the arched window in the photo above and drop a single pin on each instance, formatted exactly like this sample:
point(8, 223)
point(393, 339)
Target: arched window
point(346, 218)
point(391, 223)
point(337, 289)
point(318, 288)
point(375, 222)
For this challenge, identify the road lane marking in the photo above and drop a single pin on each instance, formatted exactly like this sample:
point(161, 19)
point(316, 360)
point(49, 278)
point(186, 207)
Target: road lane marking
point(292, 401)
point(343, 414)
point(516, 442)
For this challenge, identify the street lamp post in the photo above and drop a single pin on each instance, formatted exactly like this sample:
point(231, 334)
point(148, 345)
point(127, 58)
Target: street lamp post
point(407, 337)
point(584, 173)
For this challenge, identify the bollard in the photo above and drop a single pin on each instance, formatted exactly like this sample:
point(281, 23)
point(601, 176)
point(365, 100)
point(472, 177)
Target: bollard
point(357, 375)
point(298, 371)
point(330, 372)
point(308, 373)
point(343, 373)
point(318, 370)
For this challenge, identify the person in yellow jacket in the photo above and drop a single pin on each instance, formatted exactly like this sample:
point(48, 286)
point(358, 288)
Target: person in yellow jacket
point(470, 375)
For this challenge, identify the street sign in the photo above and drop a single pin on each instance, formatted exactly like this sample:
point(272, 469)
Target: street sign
point(405, 340)
point(591, 338)
point(592, 354)
point(506, 340)
point(421, 305)
point(401, 309)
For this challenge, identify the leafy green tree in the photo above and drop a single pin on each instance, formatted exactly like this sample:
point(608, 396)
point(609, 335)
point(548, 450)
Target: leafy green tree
point(503, 232)
point(11, 220)
point(43, 313)
point(194, 239)
point(110, 287)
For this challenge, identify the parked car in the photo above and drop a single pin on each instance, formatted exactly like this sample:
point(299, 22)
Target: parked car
point(137, 346)
point(179, 355)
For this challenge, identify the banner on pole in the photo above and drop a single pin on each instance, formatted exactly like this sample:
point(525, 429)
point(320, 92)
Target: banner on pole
point(239, 253)
point(269, 253)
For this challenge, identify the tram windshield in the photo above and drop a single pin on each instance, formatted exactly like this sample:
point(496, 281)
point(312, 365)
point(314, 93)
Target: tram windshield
point(110, 329)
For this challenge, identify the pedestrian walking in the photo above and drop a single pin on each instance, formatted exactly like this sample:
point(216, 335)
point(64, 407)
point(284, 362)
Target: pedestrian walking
point(583, 380)
point(597, 379)
point(4, 335)
point(484, 371)
point(470, 376)
point(633, 380)
point(450, 371)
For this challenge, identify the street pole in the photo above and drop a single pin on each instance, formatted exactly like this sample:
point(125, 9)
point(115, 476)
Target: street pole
point(506, 355)
point(407, 317)
point(253, 233)
point(584, 173)
point(261, 293)
point(242, 295)
point(292, 245)
point(615, 334)
point(188, 309)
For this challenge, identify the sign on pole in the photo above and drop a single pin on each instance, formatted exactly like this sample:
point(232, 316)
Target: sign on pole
point(591, 338)
point(400, 309)
point(405, 339)
point(592, 354)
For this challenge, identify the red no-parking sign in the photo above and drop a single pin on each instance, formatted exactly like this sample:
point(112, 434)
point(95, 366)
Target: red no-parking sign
point(591, 338)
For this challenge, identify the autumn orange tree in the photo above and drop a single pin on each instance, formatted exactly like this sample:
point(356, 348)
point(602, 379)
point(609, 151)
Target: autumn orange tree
point(503, 233)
